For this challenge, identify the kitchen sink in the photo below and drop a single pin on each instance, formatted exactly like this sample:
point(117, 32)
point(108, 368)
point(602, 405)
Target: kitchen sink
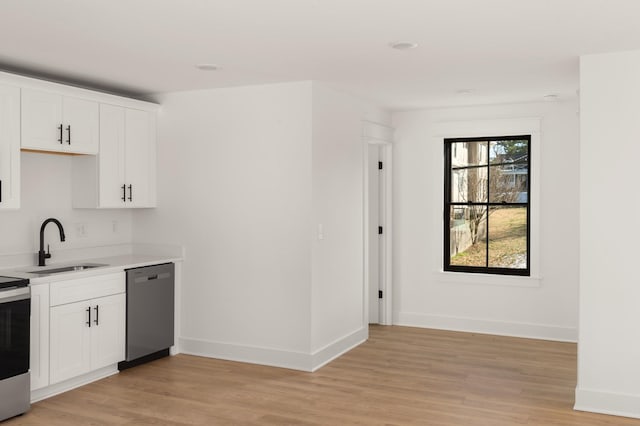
point(71, 268)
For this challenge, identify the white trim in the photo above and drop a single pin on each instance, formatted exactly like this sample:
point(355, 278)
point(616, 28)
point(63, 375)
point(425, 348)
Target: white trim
point(67, 385)
point(616, 404)
point(325, 355)
point(387, 263)
point(378, 124)
point(377, 141)
point(294, 360)
point(487, 326)
point(499, 127)
point(486, 279)
point(365, 232)
point(244, 353)
point(79, 92)
point(386, 219)
point(379, 134)
point(177, 307)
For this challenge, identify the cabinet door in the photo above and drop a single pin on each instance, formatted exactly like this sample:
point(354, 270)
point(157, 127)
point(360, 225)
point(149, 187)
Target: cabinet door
point(9, 147)
point(70, 344)
point(111, 157)
point(139, 157)
point(108, 330)
point(81, 132)
point(41, 120)
point(125, 171)
point(39, 351)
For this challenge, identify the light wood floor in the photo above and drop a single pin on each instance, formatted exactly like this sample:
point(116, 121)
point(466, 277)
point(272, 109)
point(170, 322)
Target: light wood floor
point(400, 376)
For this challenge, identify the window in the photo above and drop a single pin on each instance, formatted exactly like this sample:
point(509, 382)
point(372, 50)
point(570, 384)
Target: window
point(487, 211)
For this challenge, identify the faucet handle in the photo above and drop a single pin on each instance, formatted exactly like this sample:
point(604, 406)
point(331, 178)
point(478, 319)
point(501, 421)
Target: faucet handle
point(47, 254)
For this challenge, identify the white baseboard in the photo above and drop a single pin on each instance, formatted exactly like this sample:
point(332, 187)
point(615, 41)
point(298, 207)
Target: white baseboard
point(67, 385)
point(294, 360)
point(341, 346)
point(500, 328)
point(242, 353)
point(607, 403)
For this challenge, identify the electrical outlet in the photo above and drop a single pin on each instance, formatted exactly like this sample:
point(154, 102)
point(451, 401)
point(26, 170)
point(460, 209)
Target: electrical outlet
point(81, 230)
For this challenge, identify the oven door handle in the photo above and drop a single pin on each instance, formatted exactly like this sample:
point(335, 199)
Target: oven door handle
point(15, 294)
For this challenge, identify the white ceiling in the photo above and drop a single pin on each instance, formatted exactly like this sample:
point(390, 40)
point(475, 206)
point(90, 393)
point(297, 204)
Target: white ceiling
point(501, 50)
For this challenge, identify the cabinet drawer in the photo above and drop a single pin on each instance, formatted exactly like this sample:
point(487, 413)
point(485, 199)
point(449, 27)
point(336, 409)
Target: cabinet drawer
point(80, 289)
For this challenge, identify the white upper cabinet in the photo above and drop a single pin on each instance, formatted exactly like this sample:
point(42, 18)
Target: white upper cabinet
point(59, 123)
point(110, 163)
point(139, 158)
point(112, 140)
point(81, 125)
point(123, 174)
point(9, 147)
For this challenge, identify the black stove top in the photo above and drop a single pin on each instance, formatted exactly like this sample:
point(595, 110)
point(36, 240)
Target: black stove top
point(13, 282)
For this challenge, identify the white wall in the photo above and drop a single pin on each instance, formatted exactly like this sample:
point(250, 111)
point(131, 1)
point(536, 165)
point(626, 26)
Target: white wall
point(245, 177)
point(338, 173)
point(233, 188)
point(544, 306)
point(46, 192)
point(609, 345)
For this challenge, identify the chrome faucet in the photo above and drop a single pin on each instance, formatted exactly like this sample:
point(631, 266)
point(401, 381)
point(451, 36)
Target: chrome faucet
point(41, 254)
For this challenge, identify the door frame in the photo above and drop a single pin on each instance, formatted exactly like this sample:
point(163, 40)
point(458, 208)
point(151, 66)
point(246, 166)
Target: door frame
point(380, 135)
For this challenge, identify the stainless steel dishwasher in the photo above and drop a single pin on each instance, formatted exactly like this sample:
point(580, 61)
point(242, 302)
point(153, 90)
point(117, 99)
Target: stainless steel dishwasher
point(150, 313)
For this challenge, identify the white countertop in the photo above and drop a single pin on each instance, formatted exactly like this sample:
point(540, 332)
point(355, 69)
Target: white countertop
point(112, 264)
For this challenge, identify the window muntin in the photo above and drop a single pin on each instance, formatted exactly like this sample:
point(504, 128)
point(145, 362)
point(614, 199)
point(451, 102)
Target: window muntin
point(487, 186)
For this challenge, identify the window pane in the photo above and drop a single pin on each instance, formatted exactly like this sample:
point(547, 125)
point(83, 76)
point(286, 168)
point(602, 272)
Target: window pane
point(508, 183)
point(468, 154)
point(467, 235)
point(509, 151)
point(508, 237)
point(469, 185)
point(487, 175)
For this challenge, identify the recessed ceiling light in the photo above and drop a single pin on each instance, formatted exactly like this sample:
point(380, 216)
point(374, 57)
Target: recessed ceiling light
point(208, 67)
point(551, 97)
point(403, 45)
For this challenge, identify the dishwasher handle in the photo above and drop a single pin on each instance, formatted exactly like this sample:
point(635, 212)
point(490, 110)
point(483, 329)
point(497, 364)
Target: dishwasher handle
point(145, 278)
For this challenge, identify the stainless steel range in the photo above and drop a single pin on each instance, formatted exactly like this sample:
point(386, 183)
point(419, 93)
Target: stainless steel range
point(15, 313)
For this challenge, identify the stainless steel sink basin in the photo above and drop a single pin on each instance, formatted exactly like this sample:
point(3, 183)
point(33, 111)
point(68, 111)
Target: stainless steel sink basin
point(71, 268)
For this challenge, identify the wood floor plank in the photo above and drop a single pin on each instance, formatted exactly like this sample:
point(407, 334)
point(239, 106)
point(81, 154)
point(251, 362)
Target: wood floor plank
point(400, 376)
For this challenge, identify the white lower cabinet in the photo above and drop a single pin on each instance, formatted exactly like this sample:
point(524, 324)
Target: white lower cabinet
point(70, 341)
point(108, 336)
point(86, 336)
point(87, 325)
point(39, 351)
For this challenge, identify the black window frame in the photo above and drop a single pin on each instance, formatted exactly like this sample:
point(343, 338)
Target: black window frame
point(448, 204)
